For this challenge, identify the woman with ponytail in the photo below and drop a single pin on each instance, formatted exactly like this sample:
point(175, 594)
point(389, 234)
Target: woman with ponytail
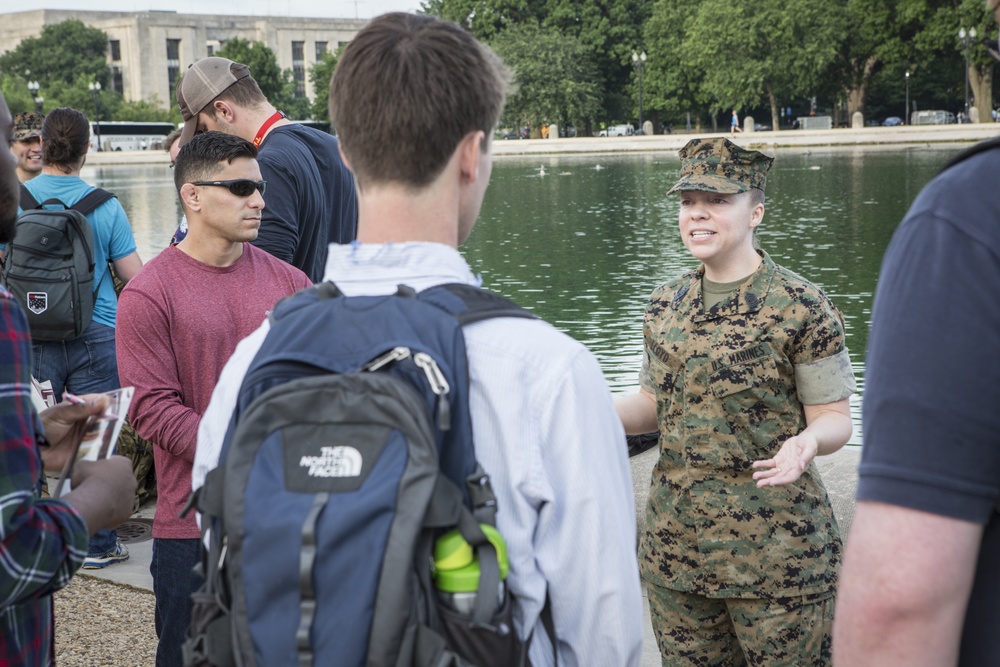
point(86, 364)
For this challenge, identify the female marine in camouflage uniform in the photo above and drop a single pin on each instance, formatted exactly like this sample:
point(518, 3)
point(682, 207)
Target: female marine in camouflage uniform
point(747, 378)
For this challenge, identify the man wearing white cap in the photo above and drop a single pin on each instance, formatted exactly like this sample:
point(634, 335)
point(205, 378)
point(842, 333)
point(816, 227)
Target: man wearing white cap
point(311, 198)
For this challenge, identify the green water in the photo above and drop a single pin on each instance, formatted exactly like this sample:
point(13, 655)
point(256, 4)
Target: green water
point(584, 244)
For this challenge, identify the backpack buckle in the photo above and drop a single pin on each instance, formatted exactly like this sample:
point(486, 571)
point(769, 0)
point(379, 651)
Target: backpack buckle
point(481, 492)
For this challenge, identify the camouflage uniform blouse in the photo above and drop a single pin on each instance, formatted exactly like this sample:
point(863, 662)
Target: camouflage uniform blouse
point(729, 387)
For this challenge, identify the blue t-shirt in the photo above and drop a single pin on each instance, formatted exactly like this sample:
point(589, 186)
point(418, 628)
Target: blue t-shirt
point(931, 424)
point(310, 200)
point(112, 235)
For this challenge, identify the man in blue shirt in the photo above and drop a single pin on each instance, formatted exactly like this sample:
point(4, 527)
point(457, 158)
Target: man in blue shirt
point(311, 199)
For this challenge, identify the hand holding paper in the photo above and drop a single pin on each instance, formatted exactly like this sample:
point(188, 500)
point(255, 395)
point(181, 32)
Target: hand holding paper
point(96, 439)
point(64, 425)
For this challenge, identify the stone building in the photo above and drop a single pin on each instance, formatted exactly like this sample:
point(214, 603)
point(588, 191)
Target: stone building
point(148, 51)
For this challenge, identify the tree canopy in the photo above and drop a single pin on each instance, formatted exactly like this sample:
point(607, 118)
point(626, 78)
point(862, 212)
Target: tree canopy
point(276, 84)
point(64, 52)
point(320, 75)
point(555, 80)
point(572, 60)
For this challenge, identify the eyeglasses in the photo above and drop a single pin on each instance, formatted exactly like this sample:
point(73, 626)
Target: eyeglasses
point(241, 187)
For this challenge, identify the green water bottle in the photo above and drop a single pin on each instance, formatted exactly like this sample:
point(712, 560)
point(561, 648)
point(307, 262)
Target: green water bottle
point(456, 569)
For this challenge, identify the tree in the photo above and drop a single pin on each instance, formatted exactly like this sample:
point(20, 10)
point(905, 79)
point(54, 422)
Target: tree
point(320, 75)
point(669, 87)
point(64, 53)
point(487, 18)
point(263, 66)
point(555, 80)
point(277, 85)
point(762, 52)
point(609, 30)
point(64, 59)
point(881, 32)
point(148, 111)
point(940, 36)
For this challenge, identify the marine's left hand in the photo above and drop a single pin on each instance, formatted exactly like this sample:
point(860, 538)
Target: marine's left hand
point(789, 463)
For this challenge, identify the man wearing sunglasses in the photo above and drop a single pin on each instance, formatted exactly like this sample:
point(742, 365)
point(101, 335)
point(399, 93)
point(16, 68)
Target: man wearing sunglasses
point(179, 321)
point(312, 202)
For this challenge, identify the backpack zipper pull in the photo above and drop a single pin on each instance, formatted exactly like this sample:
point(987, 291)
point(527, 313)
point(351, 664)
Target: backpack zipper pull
point(439, 385)
point(395, 354)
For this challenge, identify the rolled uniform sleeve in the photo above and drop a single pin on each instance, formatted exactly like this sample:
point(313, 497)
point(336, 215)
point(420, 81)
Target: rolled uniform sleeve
point(823, 371)
point(826, 380)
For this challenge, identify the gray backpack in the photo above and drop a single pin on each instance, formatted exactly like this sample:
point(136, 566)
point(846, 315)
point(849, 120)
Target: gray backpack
point(49, 266)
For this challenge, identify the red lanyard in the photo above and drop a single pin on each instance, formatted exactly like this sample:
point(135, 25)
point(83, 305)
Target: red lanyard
point(265, 127)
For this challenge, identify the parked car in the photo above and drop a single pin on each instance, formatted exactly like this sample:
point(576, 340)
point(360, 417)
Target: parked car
point(892, 121)
point(761, 127)
point(618, 131)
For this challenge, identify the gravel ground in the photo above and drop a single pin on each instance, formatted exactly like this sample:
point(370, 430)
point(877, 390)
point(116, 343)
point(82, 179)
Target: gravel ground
point(103, 623)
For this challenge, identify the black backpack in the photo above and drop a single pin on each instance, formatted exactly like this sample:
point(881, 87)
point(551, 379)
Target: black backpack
point(350, 452)
point(49, 266)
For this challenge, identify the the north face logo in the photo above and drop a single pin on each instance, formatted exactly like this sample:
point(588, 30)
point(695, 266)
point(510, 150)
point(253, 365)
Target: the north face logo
point(333, 462)
point(38, 302)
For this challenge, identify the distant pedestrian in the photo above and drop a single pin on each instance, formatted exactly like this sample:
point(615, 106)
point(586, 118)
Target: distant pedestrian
point(311, 198)
point(734, 125)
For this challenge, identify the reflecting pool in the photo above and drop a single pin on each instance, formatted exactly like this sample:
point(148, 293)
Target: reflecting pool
point(583, 240)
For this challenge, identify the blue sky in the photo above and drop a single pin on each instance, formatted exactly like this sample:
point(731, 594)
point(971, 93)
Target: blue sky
point(311, 8)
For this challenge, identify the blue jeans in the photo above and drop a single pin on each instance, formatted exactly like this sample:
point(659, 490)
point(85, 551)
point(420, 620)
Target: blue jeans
point(173, 584)
point(85, 365)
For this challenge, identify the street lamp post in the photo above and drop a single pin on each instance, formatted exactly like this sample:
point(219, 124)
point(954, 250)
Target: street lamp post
point(639, 59)
point(33, 87)
point(966, 37)
point(906, 116)
point(95, 89)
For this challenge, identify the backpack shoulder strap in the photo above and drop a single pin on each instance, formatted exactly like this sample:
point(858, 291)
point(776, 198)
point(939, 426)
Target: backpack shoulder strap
point(471, 304)
point(91, 201)
point(28, 201)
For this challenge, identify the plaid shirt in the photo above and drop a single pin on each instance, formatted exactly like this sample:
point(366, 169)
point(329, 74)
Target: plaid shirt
point(42, 541)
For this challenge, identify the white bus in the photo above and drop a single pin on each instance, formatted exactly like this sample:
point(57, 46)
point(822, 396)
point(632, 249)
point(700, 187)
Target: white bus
point(128, 135)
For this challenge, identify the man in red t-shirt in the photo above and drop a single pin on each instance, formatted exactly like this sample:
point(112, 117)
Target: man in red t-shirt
point(179, 320)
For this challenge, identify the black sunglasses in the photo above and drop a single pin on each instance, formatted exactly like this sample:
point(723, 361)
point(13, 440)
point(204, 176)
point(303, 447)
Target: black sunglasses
point(241, 187)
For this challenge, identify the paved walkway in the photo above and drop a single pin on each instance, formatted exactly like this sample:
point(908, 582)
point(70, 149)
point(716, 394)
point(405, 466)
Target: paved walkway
point(871, 137)
point(839, 474)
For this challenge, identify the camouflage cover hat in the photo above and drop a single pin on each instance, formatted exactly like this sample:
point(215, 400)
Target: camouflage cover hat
point(27, 124)
point(719, 165)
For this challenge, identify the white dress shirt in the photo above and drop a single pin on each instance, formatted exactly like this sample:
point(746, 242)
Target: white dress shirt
point(547, 434)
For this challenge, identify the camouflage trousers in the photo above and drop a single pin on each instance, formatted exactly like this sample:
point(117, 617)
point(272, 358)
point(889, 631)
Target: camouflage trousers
point(131, 446)
point(140, 452)
point(741, 632)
